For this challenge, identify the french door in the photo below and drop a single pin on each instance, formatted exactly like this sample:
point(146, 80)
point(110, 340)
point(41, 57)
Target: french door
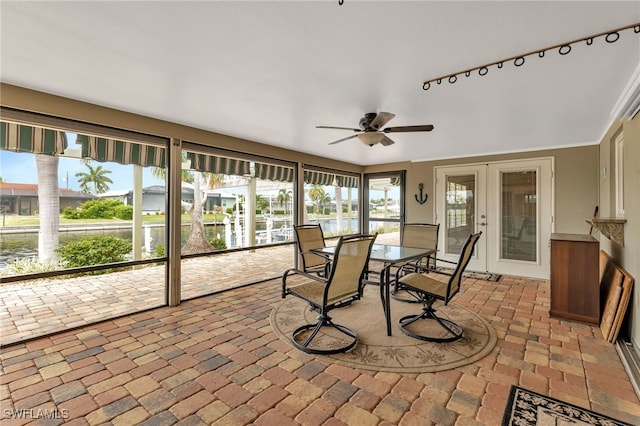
point(510, 202)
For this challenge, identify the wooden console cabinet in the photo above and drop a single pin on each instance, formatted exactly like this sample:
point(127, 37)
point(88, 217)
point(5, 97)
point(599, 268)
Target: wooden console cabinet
point(575, 290)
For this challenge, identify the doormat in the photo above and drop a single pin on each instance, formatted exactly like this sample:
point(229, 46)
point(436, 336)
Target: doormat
point(485, 276)
point(528, 408)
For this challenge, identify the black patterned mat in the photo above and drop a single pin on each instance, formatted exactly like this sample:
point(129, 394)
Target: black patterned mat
point(528, 408)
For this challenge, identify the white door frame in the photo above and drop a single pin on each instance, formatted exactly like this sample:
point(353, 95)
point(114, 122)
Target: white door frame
point(487, 256)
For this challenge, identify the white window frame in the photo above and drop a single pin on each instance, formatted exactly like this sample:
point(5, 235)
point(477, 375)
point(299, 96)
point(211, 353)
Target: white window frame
point(619, 175)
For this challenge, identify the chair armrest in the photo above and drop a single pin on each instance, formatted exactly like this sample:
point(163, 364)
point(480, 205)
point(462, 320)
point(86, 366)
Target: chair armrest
point(414, 265)
point(327, 262)
point(436, 271)
point(295, 271)
point(446, 261)
point(326, 256)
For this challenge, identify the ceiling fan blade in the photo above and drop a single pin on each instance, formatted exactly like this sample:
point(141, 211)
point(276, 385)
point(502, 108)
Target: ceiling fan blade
point(339, 128)
point(343, 139)
point(381, 119)
point(424, 128)
point(386, 141)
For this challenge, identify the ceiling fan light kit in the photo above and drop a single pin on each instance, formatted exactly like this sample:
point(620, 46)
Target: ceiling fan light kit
point(370, 132)
point(371, 138)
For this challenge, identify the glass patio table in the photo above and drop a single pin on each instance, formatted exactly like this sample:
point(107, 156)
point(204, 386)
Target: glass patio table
point(389, 255)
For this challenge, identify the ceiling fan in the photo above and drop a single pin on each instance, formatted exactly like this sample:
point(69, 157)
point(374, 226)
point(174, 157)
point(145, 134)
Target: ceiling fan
point(370, 132)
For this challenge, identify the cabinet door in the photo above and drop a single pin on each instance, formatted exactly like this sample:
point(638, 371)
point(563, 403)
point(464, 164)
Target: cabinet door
point(575, 292)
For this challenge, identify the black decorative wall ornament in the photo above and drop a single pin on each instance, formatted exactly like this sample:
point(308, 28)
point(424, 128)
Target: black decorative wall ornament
point(610, 36)
point(422, 198)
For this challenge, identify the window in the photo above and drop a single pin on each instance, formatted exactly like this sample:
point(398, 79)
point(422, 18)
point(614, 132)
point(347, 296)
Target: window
point(230, 202)
point(77, 197)
point(384, 203)
point(235, 202)
point(332, 199)
point(85, 188)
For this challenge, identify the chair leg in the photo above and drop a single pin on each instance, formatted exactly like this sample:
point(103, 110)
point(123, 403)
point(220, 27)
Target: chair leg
point(323, 321)
point(454, 331)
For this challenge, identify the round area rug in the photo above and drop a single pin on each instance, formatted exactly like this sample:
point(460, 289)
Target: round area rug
point(398, 353)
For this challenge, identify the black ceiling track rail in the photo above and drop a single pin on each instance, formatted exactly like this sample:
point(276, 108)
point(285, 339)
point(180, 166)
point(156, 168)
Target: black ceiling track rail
point(610, 36)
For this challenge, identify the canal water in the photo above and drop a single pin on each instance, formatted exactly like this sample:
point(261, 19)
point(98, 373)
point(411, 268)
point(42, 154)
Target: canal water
point(25, 245)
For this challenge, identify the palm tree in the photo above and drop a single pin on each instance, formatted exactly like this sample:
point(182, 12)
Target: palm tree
point(284, 197)
point(316, 193)
point(197, 241)
point(262, 204)
point(48, 205)
point(96, 177)
point(324, 200)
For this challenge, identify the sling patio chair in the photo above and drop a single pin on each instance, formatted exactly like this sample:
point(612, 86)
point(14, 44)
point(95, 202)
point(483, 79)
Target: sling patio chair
point(427, 289)
point(419, 235)
point(339, 289)
point(309, 237)
point(422, 235)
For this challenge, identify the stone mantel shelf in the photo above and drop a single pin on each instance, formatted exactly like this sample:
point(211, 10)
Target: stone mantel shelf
point(610, 227)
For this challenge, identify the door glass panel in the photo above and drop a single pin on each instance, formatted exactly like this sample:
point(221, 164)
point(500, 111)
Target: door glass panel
point(460, 211)
point(519, 206)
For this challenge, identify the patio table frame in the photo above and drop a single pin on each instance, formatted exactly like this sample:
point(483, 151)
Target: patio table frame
point(389, 255)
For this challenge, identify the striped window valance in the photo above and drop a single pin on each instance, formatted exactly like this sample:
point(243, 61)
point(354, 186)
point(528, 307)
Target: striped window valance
point(111, 150)
point(219, 165)
point(318, 178)
point(347, 181)
point(273, 172)
point(35, 140)
point(231, 166)
point(330, 179)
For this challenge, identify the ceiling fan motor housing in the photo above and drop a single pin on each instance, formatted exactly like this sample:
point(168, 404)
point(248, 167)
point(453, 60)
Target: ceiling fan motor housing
point(366, 120)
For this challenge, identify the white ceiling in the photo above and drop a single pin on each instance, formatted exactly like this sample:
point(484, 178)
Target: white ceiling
point(270, 71)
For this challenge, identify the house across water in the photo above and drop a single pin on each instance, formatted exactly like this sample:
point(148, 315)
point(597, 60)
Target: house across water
point(22, 198)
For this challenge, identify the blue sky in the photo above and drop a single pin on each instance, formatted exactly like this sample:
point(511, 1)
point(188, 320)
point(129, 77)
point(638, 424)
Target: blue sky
point(21, 168)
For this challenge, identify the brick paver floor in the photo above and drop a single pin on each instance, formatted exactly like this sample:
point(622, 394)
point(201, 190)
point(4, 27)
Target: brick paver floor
point(215, 360)
point(41, 307)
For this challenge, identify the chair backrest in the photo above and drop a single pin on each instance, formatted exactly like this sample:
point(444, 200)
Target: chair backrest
point(465, 256)
point(349, 265)
point(310, 237)
point(421, 235)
